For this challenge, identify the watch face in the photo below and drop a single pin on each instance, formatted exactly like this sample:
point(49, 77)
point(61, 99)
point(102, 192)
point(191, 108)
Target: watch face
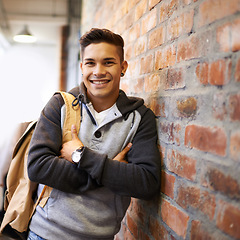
point(76, 156)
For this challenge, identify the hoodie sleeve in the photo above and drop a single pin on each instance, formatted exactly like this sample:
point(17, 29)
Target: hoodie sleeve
point(44, 164)
point(140, 178)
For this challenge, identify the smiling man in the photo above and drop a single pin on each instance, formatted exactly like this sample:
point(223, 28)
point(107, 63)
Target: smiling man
point(101, 74)
point(113, 158)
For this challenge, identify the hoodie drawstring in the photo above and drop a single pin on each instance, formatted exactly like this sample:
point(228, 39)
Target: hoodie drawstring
point(76, 101)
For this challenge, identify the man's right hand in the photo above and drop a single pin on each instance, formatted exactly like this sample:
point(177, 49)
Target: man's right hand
point(121, 156)
point(69, 147)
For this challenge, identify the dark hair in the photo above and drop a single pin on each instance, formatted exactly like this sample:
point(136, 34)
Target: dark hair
point(96, 35)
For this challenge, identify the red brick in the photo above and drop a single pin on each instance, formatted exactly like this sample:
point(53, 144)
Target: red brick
point(199, 233)
point(235, 146)
point(217, 180)
point(176, 219)
point(152, 103)
point(192, 196)
point(223, 37)
point(189, 48)
point(195, 46)
point(180, 25)
point(236, 35)
point(134, 33)
point(237, 71)
point(133, 68)
point(127, 5)
point(138, 212)
point(125, 86)
point(162, 107)
point(146, 64)
point(156, 37)
point(152, 82)
point(187, 2)
point(220, 72)
point(132, 226)
point(128, 52)
point(216, 73)
point(177, 133)
point(188, 197)
point(202, 73)
point(157, 105)
point(141, 8)
point(165, 57)
point(153, 3)
point(149, 21)
point(187, 107)
point(175, 78)
point(167, 184)
point(206, 139)
point(167, 8)
point(170, 132)
point(234, 107)
point(228, 219)
point(140, 46)
point(219, 106)
point(212, 10)
point(162, 151)
point(207, 204)
point(157, 230)
point(128, 21)
point(181, 165)
point(138, 86)
point(123, 7)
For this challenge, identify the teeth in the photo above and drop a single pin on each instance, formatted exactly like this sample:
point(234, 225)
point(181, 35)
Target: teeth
point(99, 82)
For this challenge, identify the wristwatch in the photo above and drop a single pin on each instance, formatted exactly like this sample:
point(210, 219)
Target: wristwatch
point(77, 154)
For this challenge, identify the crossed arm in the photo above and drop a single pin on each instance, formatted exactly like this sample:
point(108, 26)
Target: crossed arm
point(69, 147)
point(139, 178)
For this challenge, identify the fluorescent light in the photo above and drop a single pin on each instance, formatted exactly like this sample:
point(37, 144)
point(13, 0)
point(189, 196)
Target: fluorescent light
point(25, 36)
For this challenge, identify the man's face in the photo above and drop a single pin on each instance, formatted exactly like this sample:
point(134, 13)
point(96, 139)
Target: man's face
point(101, 69)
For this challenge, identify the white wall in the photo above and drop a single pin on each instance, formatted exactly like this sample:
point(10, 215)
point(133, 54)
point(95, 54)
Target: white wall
point(28, 77)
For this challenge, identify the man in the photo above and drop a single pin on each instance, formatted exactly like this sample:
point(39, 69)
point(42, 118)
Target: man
point(113, 158)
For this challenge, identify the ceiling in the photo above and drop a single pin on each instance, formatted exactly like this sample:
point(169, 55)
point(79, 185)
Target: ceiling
point(43, 18)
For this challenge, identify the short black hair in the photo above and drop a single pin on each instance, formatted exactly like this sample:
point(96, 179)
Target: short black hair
point(97, 35)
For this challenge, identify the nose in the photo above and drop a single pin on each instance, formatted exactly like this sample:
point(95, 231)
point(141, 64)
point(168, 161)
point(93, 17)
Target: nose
point(99, 70)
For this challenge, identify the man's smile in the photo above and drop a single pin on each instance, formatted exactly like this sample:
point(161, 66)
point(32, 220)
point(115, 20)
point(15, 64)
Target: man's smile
point(99, 81)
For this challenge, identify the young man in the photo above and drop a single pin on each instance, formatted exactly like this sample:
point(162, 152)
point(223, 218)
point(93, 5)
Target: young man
point(113, 158)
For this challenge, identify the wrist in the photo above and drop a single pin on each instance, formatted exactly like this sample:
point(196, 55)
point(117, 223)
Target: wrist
point(77, 154)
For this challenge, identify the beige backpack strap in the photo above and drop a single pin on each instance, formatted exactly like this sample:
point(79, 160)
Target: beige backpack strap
point(72, 116)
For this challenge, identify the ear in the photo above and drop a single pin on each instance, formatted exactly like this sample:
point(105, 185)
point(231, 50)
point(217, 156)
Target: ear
point(124, 66)
point(81, 66)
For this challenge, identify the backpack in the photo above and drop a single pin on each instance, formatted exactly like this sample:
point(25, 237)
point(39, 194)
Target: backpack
point(19, 202)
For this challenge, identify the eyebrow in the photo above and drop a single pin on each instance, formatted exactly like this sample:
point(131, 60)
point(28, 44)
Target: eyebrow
point(105, 59)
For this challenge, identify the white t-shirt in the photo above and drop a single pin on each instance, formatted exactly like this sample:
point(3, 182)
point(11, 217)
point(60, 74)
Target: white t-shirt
point(99, 116)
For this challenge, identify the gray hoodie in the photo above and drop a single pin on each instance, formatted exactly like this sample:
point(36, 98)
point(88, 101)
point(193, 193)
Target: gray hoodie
point(89, 200)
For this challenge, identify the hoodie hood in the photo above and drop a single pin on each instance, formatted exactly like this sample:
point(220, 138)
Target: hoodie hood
point(124, 103)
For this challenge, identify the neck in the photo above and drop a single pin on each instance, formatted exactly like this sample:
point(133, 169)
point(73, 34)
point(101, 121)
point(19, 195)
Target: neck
point(102, 104)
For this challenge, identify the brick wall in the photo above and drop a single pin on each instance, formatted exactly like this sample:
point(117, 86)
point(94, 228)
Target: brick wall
point(184, 60)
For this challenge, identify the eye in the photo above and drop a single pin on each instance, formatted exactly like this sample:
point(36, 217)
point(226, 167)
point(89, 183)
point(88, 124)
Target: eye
point(90, 63)
point(109, 63)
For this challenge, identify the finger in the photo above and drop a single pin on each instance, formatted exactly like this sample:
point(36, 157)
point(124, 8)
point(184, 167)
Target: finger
point(122, 154)
point(74, 132)
point(126, 149)
point(123, 161)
